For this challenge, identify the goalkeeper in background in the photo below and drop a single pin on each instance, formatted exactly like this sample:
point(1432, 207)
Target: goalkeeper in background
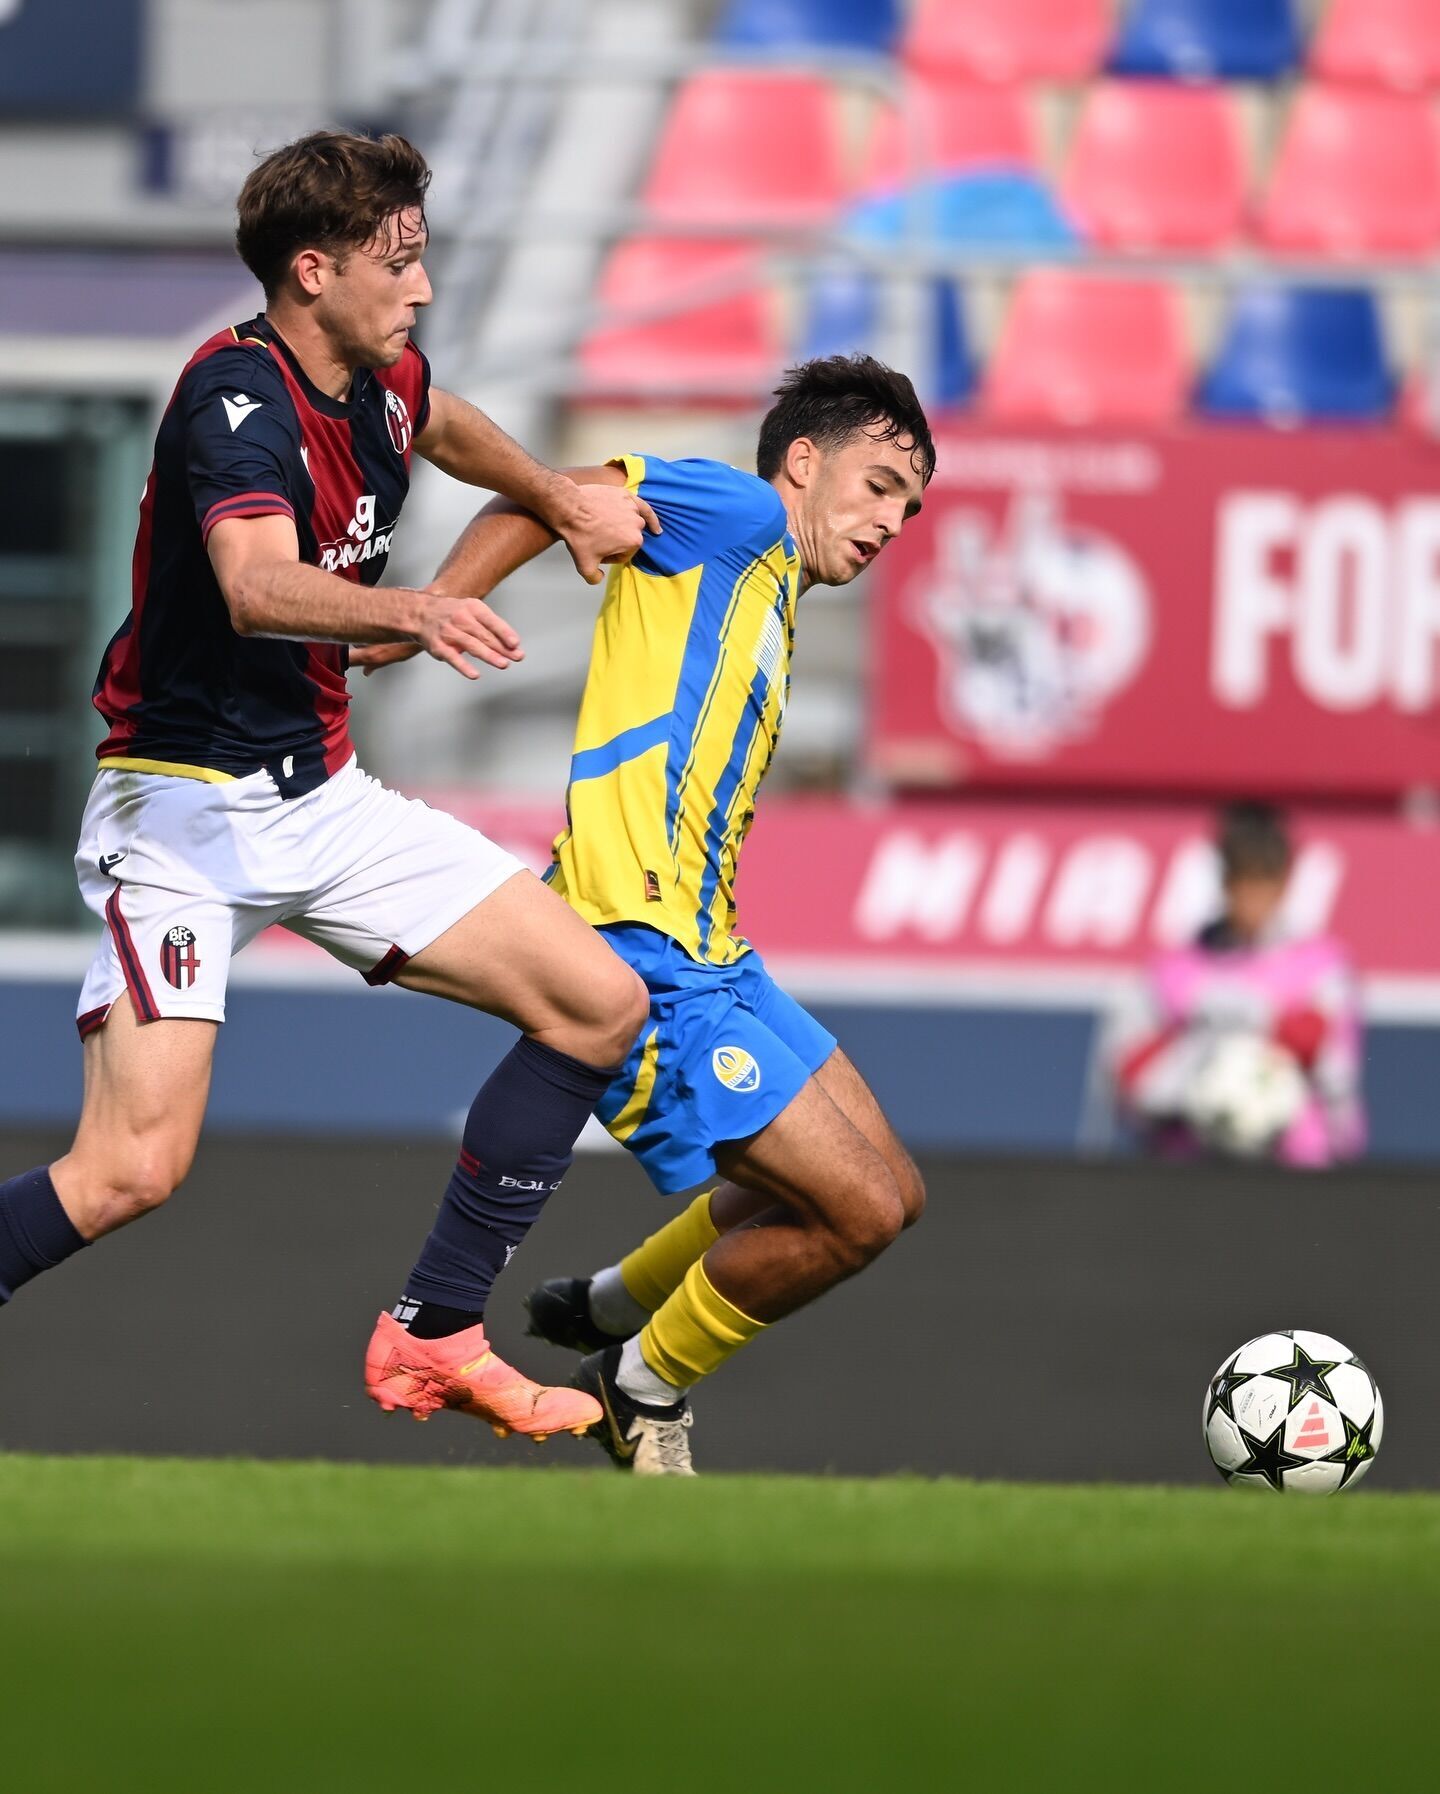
point(1249, 1041)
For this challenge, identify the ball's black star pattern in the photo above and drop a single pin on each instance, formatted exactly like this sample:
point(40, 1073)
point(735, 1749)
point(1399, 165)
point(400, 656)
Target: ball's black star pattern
point(1222, 1391)
point(1305, 1375)
point(1270, 1460)
point(1356, 1451)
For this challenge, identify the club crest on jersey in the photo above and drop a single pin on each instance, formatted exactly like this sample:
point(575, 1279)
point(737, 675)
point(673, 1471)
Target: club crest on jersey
point(735, 1068)
point(397, 422)
point(178, 959)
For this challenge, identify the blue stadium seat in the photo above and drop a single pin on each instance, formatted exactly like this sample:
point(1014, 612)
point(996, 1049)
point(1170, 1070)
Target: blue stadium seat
point(1301, 355)
point(843, 308)
point(844, 315)
point(992, 208)
point(872, 25)
point(1209, 40)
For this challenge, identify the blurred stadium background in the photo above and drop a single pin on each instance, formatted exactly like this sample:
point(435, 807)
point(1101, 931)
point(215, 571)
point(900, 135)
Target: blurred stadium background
point(1165, 273)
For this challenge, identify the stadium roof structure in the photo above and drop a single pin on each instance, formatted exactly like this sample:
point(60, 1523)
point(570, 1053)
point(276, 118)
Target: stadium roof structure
point(66, 292)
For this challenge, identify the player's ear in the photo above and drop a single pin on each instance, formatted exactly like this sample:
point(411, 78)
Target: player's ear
point(800, 461)
point(311, 268)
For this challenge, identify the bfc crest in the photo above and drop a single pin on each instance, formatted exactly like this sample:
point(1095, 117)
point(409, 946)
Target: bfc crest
point(397, 422)
point(178, 959)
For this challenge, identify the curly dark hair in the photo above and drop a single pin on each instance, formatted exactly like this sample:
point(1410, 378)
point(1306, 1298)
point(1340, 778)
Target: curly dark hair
point(834, 397)
point(330, 190)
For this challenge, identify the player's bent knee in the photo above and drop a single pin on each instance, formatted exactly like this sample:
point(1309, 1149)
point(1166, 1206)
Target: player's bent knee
point(618, 1005)
point(912, 1190)
point(869, 1227)
point(131, 1190)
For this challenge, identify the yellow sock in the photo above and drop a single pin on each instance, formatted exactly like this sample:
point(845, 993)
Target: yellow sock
point(656, 1268)
point(694, 1331)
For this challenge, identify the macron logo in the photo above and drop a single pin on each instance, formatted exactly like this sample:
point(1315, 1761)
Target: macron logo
point(238, 409)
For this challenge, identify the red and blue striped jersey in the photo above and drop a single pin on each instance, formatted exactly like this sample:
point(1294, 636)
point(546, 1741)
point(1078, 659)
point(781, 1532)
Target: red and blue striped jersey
point(246, 434)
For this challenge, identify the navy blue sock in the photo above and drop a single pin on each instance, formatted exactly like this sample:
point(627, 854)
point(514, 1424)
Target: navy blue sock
point(517, 1146)
point(35, 1232)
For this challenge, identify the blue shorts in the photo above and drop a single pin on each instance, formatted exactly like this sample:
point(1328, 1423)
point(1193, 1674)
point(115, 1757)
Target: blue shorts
point(724, 1051)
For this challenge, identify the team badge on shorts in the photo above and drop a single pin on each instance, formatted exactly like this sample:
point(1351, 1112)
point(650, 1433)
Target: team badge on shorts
point(397, 422)
point(735, 1068)
point(178, 959)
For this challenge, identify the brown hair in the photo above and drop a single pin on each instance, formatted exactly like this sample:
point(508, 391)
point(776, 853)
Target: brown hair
point(1253, 841)
point(332, 190)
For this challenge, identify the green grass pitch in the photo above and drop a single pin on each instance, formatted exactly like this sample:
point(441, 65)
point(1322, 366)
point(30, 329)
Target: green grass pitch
point(234, 1626)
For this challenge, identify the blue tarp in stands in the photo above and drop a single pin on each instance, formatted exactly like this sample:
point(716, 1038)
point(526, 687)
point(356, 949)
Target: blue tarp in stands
point(872, 25)
point(1209, 40)
point(1296, 354)
point(990, 208)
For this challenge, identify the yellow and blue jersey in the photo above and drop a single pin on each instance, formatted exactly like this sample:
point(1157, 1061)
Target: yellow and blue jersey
point(689, 674)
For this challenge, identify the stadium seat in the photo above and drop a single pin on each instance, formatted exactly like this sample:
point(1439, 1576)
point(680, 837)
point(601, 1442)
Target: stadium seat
point(1390, 43)
point(1301, 355)
point(872, 25)
point(662, 335)
point(1358, 174)
point(957, 163)
point(1155, 166)
point(947, 127)
point(748, 149)
point(845, 315)
point(1208, 40)
point(1008, 40)
point(1084, 351)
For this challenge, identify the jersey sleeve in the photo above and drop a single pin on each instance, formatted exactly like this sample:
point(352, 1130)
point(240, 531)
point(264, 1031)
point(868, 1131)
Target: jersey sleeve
point(241, 439)
point(422, 401)
point(706, 508)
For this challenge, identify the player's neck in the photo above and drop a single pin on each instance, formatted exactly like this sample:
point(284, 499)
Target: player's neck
point(784, 491)
point(324, 366)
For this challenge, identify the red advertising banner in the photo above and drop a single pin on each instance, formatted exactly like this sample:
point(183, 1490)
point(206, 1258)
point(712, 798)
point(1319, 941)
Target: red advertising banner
point(1205, 610)
point(916, 888)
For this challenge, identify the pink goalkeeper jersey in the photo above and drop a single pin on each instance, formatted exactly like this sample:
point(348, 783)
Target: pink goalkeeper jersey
point(1299, 993)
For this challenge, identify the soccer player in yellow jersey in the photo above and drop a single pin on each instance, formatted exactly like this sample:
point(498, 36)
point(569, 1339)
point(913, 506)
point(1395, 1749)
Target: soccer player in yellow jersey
point(731, 1085)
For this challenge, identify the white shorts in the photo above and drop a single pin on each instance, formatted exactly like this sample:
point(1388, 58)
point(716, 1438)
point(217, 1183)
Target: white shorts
point(186, 873)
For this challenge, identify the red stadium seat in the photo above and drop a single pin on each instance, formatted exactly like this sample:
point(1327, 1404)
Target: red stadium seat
point(1155, 166)
point(1391, 43)
point(1008, 40)
point(748, 149)
point(1358, 174)
point(948, 127)
point(1083, 351)
point(663, 336)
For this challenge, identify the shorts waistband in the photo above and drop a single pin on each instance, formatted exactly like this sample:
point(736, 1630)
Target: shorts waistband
point(293, 775)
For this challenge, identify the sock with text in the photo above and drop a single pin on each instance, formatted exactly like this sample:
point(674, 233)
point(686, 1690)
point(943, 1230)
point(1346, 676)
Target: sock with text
point(517, 1145)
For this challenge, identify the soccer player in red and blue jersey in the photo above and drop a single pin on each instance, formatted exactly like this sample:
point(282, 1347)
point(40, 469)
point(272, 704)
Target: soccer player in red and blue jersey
point(228, 798)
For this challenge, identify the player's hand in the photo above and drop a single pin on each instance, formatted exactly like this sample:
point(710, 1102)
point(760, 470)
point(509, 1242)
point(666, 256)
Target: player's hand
point(460, 631)
point(606, 524)
point(375, 655)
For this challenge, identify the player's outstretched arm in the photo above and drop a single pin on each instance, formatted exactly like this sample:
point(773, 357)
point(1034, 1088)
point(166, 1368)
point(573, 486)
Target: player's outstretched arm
point(269, 591)
point(499, 539)
point(596, 525)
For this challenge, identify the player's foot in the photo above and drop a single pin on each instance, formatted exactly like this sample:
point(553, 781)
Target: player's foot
point(650, 1441)
point(559, 1312)
point(460, 1371)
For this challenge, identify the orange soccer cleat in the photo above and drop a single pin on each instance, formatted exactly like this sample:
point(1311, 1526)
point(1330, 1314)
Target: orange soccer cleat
point(425, 1375)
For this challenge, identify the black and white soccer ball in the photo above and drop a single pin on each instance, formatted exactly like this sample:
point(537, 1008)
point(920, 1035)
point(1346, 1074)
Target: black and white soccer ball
point(1296, 1412)
point(1245, 1093)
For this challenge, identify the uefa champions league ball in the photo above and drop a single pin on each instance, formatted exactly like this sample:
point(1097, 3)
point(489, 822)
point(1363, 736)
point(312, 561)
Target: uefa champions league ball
point(1296, 1412)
